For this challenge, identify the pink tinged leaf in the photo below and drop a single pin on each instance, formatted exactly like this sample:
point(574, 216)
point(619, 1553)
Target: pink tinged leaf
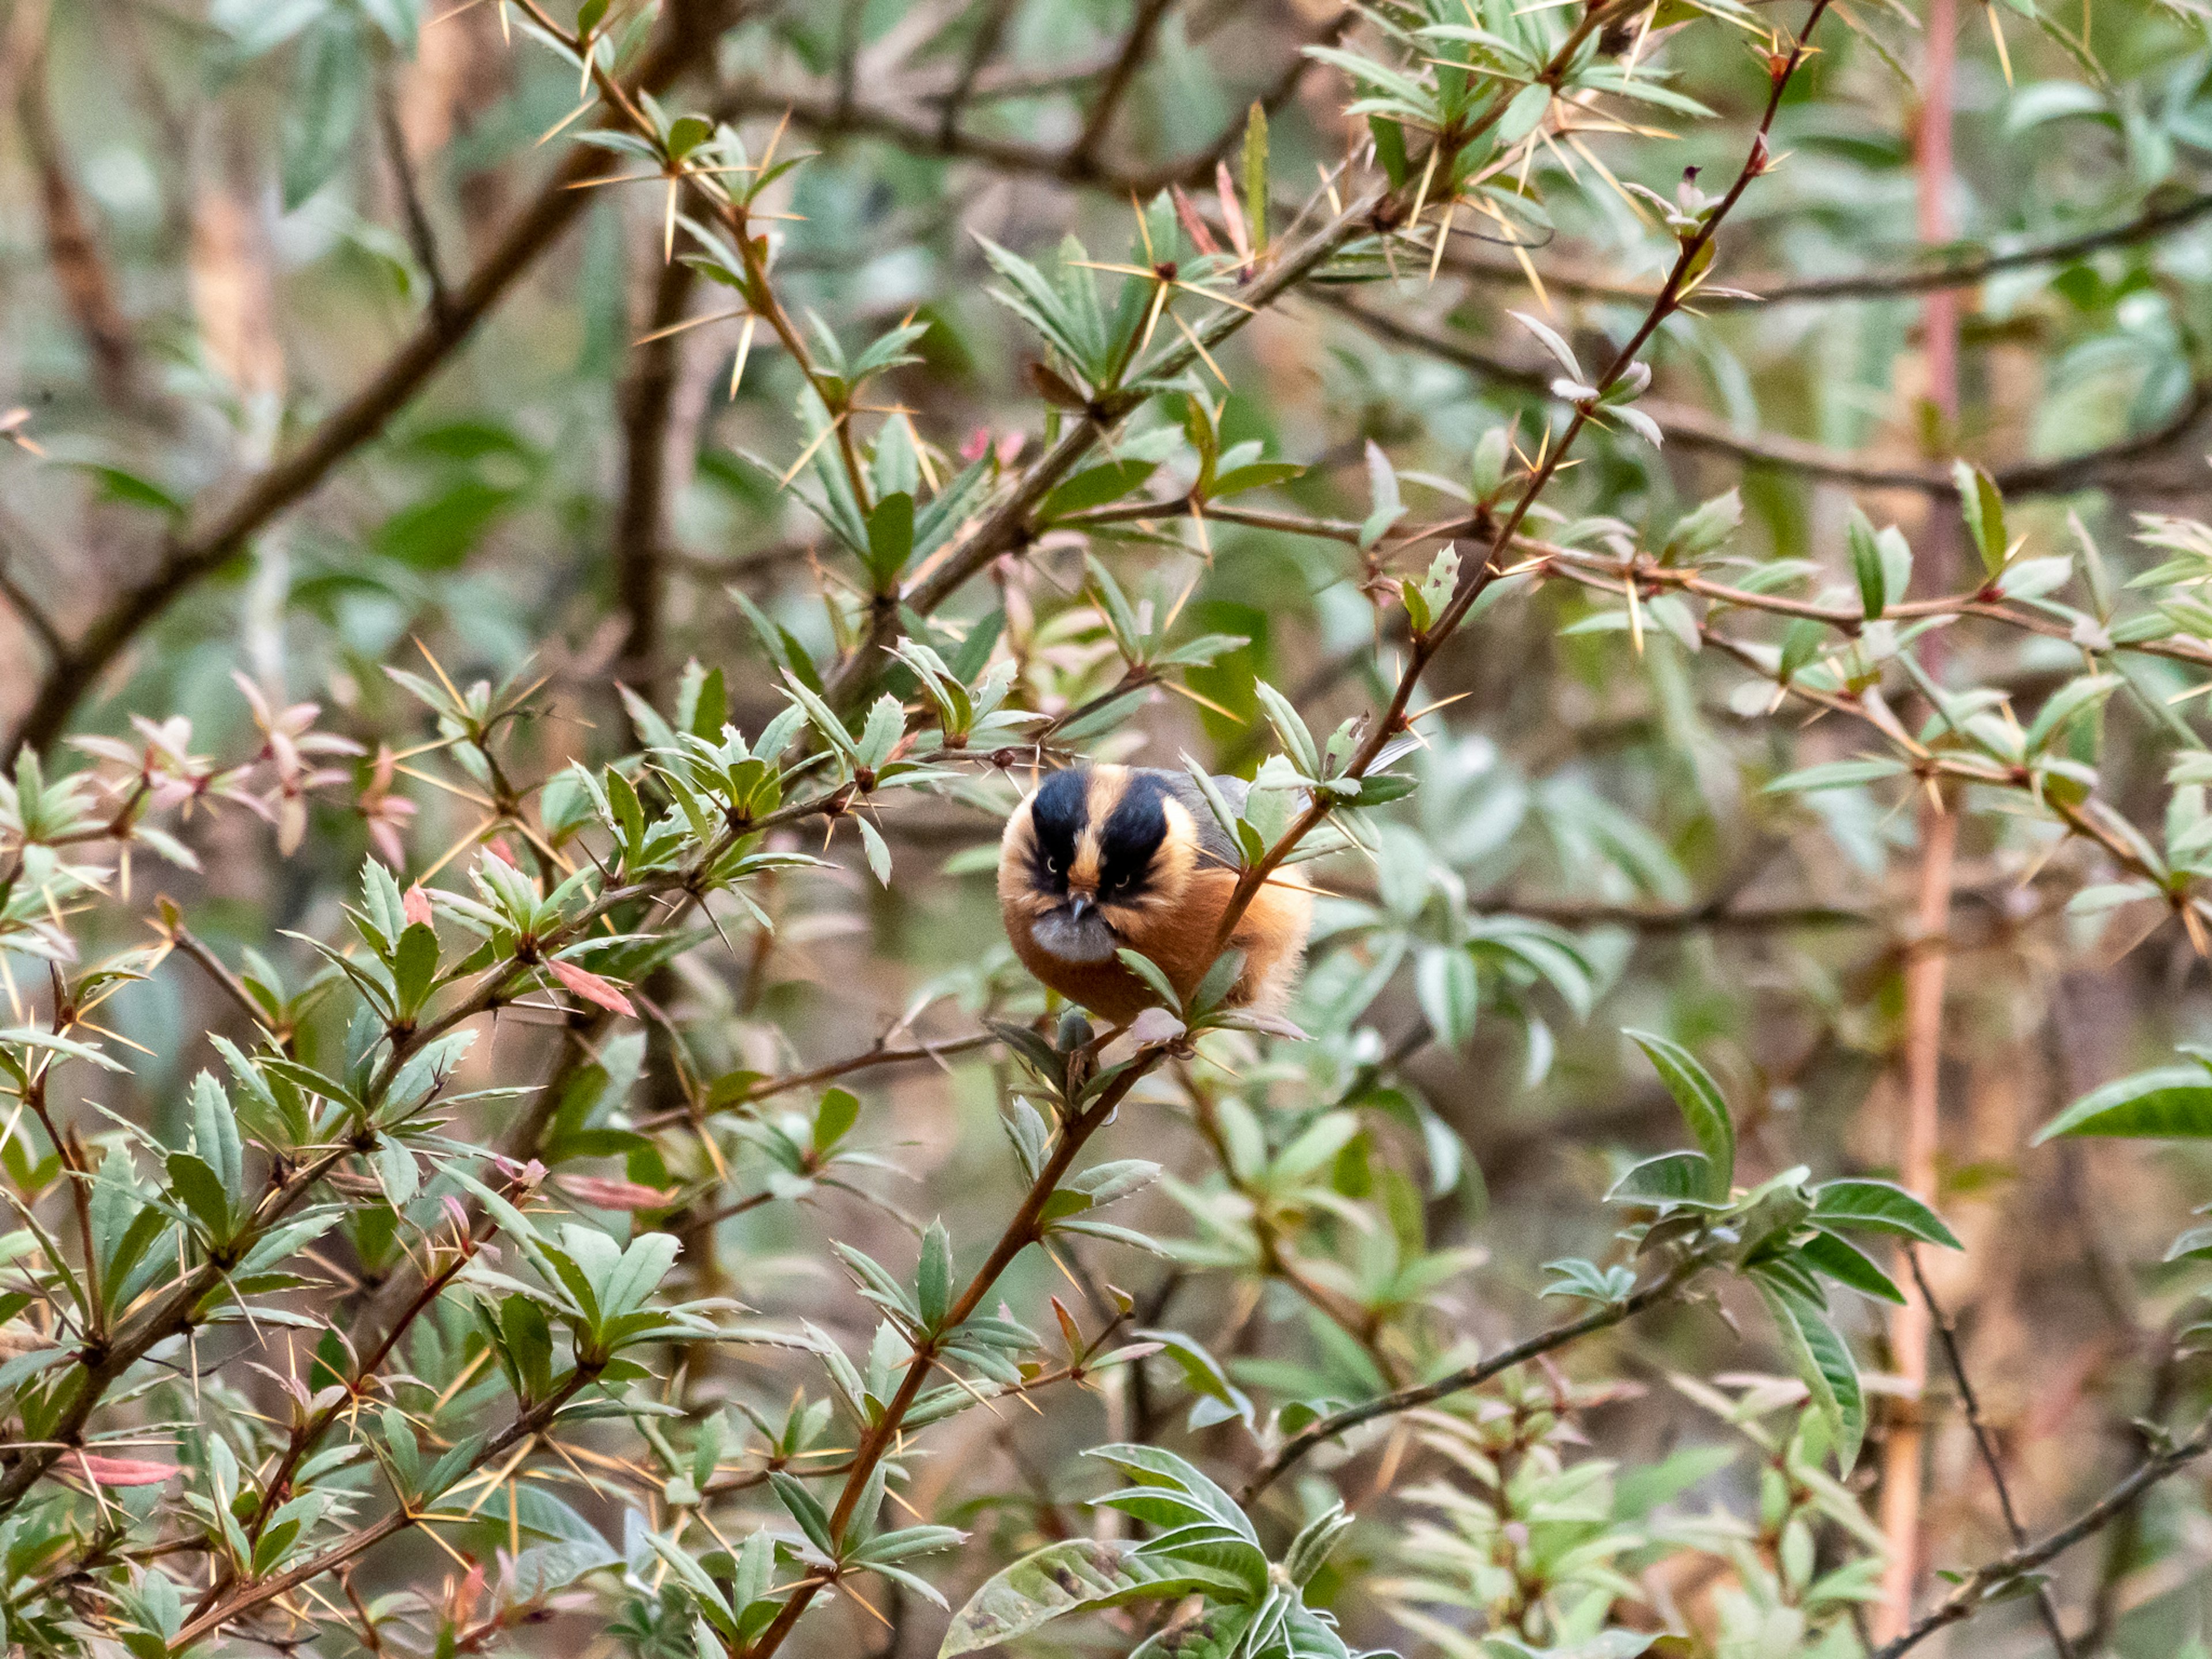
point(123, 1471)
point(385, 839)
point(979, 442)
point(498, 848)
point(1010, 447)
point(1155, 1026)
point(590, 987)
point(457, 1215)
point(1232, 214)
point(1273, 1024)
point(605, 1193)
point(291, 825)
point(1192, 226)
point(415, 905)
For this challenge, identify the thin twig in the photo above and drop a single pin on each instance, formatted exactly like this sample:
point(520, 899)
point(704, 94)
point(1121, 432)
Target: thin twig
point(1136, 46)
point(1692, 429)
point(2046, 1608)
point(422, 236)
point(1989, 1582)
point(1777, 289)
point(1665, 1288)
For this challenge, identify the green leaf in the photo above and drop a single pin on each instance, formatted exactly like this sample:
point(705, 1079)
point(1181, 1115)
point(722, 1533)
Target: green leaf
point(890, 538)
point(1095, 486)
point(1836, 774)
point(839, 1110)
point(1984, 510)
point(1390, 148)
point(1074, 1575)
point(1824, 1359)
point(1255, 173)
point(326, 107)
point(1879, 1206)
point(1445, 985)
point(437, 532)
point(2172, 1104)
point(114, 484)
point(1298, 740)
point(1867, 565)
point(804, 1508)
point(932, 1276)
point(878, 849)
point(1153, 975)
point(1521, 115)
point(1669, 1178)
point(1844, 1262)
point(1703, 1109)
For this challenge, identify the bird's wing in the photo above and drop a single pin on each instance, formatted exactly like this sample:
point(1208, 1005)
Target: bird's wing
point(1213, 841)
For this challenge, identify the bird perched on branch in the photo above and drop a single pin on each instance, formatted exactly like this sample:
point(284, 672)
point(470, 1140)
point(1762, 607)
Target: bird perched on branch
point(1106, 858)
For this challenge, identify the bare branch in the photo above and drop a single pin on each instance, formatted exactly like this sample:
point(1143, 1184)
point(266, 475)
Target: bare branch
point(421, 237)
point(1956, 273)
point(1666, 1288)
point(1136, 46)
point(80, 268)
point(1990, 1581)
point(1694, 428)
point(642, 518)
point(1948, 1337)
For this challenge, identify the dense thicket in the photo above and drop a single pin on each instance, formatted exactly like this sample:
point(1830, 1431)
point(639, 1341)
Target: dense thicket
point(539, 544)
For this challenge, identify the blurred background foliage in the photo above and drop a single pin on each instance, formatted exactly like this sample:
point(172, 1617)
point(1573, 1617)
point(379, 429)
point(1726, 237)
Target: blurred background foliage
point(320, 368)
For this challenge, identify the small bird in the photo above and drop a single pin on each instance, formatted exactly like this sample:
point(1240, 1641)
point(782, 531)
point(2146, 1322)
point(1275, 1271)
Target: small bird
point(1106, 858)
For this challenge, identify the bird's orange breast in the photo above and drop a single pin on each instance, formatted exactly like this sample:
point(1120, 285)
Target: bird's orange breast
point(1179, 936)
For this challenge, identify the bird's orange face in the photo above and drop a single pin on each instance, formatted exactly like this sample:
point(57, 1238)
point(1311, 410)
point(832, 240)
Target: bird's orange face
point(1095, 859)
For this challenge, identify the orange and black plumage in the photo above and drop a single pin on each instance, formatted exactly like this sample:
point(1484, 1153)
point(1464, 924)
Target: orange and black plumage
point(1106, 858)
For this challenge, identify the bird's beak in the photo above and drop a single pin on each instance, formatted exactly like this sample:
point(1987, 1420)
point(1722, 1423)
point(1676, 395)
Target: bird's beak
point(1077, 904)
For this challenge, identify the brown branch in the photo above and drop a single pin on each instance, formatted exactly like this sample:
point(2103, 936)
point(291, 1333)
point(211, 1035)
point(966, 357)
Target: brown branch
point(1665, 1288)
point(1689, 428)
point(421, 237)
point(1023, 1229)
point(41, 626)
point(1136, 46)
point(81, 272)
point(990, 33)
point(1780, 290)
point(201, 550)
point(1990, 1581)
point(641, 520)
point(1693, 255)
point(2046, 1608)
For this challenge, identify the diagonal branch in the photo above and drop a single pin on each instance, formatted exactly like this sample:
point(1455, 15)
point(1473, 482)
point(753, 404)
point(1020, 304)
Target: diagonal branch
point(80, 269)
point(1666, 1288)
point(1991, 1580)
point(1136, 46)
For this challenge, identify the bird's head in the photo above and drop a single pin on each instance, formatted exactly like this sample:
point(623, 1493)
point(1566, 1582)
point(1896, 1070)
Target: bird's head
point(1094, 857)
